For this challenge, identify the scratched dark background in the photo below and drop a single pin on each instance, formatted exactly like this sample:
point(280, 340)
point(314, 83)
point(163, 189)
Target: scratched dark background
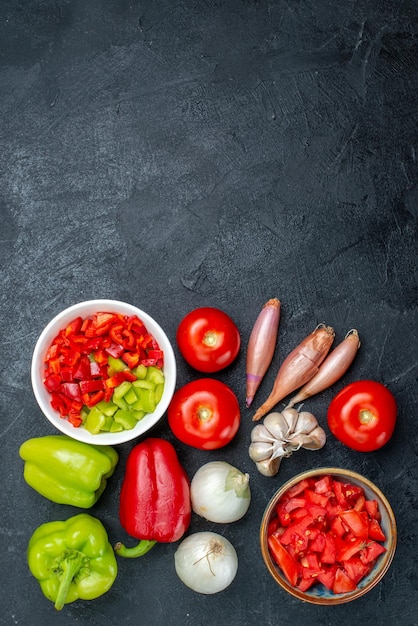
point(175, 154)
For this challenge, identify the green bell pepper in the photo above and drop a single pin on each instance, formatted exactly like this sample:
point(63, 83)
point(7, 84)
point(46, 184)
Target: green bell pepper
point(67, 471)
point(72, 559)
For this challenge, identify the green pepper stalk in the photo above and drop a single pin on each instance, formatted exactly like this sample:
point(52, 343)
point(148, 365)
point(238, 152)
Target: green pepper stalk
point(70, 565)
point(72, 559)
point(140, 549)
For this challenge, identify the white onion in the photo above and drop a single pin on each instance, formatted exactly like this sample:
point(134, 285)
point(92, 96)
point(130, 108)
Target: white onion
point(206, 562)
point(220, 492)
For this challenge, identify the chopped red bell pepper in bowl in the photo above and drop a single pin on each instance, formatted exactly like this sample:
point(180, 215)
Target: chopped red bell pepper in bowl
point(103, 372)
point(328, 536)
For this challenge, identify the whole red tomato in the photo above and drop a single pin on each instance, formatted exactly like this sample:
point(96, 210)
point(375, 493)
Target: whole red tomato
point(204, 414)
point(363, 415)
point(208, 339)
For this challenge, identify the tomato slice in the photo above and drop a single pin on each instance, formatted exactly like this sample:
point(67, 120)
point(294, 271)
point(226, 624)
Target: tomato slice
point(372, 508)
point(356, 569)
point(337, 526)
point(342, 582)
point(327, 576)
point(286, 562)
point(311, 563)
point(317, 498)
point(306, 583)
point(298, 488)
point(324, 485)
point(329, 553)
point(317, 544)
point(294, 503)
point(350, 549)
point(296, 534)
point(375, 531)
point(370, 553)
point(356, 522)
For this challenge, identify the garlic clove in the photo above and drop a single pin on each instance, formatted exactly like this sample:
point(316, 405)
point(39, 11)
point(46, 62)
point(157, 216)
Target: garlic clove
point(317, 439)
point(305, 423)
point(299, 440)
point(276, 425)
point(269, 467)
point(291, 417)
point(259, 451)
point(260, 433)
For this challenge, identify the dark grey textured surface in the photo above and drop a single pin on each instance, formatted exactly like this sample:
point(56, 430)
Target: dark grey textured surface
point(178, 154)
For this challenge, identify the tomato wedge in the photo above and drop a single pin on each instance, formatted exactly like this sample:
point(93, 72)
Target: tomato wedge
point(357, 523)
point(342, 582)
point(284, 560)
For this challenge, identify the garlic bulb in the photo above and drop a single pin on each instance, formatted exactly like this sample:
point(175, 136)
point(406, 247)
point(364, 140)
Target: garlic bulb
point(280, 435)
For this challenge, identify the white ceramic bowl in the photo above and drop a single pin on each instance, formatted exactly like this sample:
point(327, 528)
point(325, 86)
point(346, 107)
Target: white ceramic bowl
point(86, 309)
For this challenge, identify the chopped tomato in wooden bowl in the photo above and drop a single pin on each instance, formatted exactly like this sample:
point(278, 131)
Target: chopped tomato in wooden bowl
point(328, 536)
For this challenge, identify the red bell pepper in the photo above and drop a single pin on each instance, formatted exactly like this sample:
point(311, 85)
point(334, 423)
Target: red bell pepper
point(131, 359)
point(89, 386)
point(118, 378)
point(90, 399)
point(73, 327)
point(52, 382)
point(155, 503)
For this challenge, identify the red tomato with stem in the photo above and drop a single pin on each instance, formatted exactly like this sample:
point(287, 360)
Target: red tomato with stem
point(363, 415)
point(208, 339)
point(204, 414)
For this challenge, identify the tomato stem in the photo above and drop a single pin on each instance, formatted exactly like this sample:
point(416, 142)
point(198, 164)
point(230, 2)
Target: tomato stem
point(366, 416)
point(210, 339)
point(204, 413)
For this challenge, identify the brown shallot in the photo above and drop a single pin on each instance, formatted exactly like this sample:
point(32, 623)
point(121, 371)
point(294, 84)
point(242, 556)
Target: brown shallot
point(280, 435)
point(261, 345)
point(332, 369)
point(299, 366)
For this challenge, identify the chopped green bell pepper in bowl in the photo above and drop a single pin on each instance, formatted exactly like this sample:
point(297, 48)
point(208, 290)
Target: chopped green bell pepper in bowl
point(103, 372)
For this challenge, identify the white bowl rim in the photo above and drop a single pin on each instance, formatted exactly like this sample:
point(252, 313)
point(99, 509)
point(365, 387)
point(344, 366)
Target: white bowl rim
point(42, 396)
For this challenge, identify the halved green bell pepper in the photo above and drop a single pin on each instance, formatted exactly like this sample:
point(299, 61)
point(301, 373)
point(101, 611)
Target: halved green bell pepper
point(67, 471)
point(72, 559)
